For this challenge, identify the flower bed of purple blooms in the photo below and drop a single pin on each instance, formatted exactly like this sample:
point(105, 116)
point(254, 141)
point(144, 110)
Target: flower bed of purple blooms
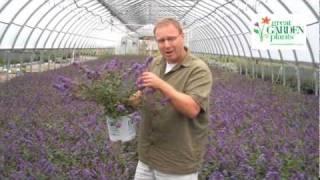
point(257, 131)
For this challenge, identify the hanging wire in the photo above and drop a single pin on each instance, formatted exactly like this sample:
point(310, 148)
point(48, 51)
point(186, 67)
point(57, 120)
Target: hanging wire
point(104, 22)
point(91, 12)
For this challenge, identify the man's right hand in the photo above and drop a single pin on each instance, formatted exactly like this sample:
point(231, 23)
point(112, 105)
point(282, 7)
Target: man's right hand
point(135, 99)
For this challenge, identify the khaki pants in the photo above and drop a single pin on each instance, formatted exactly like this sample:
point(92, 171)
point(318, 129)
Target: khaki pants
point(144, 172)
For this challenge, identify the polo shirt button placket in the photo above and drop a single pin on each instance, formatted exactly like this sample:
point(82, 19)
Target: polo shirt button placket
point(152, 141)
point(151, 138)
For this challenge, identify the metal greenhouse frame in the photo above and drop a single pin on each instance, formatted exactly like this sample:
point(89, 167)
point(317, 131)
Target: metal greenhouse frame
point(217, 28)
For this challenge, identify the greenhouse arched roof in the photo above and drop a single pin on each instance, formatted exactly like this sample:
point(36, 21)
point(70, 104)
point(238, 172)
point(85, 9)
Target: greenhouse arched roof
point(221, 27)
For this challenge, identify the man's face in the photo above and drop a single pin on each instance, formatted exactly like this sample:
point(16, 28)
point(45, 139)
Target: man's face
point(170, 42)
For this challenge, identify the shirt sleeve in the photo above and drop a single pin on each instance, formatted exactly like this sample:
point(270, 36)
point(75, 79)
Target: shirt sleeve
point(199, 85)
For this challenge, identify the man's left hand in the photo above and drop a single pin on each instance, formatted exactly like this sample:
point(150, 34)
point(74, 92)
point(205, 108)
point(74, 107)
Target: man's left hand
point(149, 79)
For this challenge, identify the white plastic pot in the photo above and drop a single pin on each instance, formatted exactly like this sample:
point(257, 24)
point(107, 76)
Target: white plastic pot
point(121, 129)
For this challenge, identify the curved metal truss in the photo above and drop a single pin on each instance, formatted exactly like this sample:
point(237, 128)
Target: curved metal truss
point(220, 27)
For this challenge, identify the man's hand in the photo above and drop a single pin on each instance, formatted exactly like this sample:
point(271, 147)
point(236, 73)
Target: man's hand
point(135, 99)
point(149, 79)
point(182, 102)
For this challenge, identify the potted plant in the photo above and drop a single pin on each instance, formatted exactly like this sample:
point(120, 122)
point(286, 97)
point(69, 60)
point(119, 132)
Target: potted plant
point(110, 86)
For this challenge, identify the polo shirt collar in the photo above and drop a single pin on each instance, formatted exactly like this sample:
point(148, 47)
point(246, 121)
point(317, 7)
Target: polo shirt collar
point(185, 63)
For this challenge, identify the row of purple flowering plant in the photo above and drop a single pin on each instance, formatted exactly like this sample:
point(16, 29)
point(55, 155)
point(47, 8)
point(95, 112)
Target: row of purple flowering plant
point(110, 85)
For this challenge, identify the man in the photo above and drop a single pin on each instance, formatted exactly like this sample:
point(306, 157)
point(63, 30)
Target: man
point(171, 143)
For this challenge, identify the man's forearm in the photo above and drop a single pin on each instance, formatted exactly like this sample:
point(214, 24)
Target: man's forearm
point(182, 102)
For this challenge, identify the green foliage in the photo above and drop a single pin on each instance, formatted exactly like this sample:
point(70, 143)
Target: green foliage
point(110, 87)
point(62, 158)
point(105, 56)
point(290, 165)
point(45, 59)
point(109, 91)
point(14, 61)
point(257, 68)
point(308, 87)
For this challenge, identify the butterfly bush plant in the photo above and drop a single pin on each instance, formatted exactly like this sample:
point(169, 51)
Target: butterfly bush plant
point(110, 86)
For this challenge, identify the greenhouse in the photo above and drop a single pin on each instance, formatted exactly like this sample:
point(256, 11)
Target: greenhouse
point(79, 80)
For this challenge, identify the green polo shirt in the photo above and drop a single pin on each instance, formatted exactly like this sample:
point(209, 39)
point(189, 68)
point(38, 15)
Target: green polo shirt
point(169, 141)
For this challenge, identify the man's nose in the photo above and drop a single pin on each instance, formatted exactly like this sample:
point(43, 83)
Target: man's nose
point(166, 43)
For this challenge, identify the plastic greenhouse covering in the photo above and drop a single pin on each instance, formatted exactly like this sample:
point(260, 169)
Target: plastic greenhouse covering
point(264, 106)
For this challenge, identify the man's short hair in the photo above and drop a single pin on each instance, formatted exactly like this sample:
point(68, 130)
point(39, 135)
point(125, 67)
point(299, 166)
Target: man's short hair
point(167, 21)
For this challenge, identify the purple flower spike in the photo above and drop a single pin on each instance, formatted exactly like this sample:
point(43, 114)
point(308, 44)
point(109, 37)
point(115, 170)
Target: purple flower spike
point(148, 61)
point(148, 91)
point(139, 84)
point(273, 175)
point(76, 64)
point(136, 117)
point(93, 75)
point(87, 173)
point(59, 87)
point(121, 108)
point(164, 101)
point(113, 65)
point(216, 176)
point(64, 79)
